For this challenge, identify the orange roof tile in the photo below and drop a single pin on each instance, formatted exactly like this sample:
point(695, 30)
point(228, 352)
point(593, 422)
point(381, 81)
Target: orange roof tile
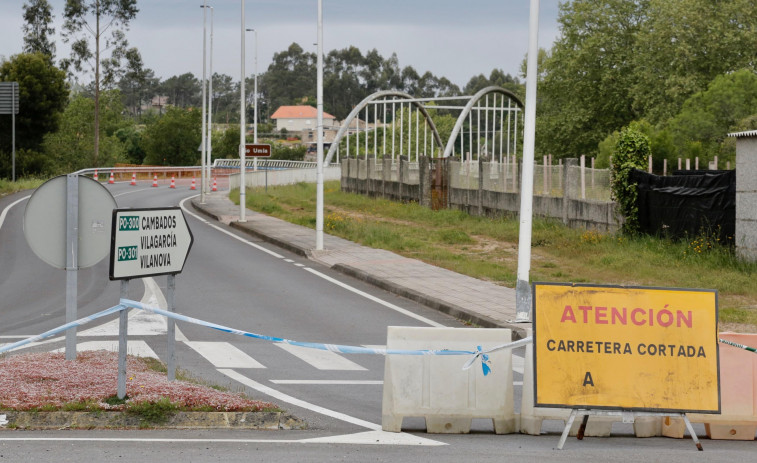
point(298, 112)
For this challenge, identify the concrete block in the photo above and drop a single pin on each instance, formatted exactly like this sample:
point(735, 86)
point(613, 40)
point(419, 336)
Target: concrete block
point(436, 387)
point(673, 427)
point(738, 392)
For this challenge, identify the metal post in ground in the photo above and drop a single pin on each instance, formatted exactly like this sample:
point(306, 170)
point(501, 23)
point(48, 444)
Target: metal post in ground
point(123, 328)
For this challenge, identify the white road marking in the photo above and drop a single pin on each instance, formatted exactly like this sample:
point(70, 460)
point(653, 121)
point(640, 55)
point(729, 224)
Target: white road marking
point(8, 207)
point(223, 355)
point(299, 265)
point(315, 272)
point(130, 192)
point(361, 438)
point(256, 246)
point(288, 260)
point(375, 299)
point(135, 347)
point(281, 397)
point(374, 438)
point(321, 359)
point(327, 382)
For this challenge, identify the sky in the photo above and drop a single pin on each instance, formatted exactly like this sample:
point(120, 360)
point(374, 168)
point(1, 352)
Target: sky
point(453, 39)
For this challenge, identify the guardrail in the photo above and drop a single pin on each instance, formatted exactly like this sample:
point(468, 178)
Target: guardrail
point(264, 164)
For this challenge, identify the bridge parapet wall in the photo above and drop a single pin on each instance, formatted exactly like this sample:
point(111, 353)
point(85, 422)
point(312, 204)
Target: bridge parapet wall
point(479, 188)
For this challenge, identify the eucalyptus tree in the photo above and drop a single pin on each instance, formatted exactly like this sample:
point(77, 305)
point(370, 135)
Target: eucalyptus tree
point(38, 29)
point(95, 29)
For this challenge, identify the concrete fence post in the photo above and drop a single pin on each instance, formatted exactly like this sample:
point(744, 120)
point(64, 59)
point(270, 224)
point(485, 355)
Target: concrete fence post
point(572, 186)
point(370, 166)
point(424, 181)
point(480, 195)
point(400, 172)
point(386, 174)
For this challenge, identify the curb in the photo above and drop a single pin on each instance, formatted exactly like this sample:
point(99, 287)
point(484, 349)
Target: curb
point(124, 420)
point(429, 301)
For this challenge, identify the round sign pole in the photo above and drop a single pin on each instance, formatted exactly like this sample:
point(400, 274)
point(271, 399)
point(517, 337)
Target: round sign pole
point(72, 260)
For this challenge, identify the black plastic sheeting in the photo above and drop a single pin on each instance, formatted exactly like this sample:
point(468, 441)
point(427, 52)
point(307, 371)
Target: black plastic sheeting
point(688, 203)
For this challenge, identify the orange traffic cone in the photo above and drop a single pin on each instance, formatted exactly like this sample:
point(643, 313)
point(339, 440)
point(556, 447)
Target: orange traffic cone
point(215, 186)
point(94, 177)
point(173, 182)
point(112, 180)
point(134, 178)
point(155, 180)
point(193, 187)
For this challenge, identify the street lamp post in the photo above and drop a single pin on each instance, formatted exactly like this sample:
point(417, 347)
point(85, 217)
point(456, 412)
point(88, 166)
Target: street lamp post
point(523, 296)
point(242, 166)
point(207, 139)
point(319, 128)
point(208, 162)
point(255, 100)
point(204, 7)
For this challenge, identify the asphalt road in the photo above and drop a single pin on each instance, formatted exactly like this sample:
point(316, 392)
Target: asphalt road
point(238, 281)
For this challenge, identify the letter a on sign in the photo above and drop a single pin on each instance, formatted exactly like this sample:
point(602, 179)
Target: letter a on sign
point(588, 381)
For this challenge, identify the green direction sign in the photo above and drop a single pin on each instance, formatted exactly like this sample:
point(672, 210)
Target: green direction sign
point(148, 242)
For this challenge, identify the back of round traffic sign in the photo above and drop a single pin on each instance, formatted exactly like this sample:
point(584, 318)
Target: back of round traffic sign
point(45, 222)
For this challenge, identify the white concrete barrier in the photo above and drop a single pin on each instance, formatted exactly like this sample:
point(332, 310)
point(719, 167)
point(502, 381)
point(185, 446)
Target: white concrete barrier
point(436, 387)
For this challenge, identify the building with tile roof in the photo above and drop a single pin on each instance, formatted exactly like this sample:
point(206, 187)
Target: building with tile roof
point(301, 118)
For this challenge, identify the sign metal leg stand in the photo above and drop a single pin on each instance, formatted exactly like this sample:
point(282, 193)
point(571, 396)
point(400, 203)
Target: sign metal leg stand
point(171, 367)
point(123, 328)
point(628, 417)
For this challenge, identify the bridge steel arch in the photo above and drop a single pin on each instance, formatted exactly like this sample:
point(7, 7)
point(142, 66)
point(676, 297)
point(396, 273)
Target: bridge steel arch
point(448, 150)
point(366, 101)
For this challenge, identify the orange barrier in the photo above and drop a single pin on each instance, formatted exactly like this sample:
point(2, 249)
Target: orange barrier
point(738, 395)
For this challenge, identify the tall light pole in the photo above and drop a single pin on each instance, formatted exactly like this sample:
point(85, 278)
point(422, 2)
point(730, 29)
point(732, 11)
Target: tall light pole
point(319, 128)
point(208, 143)
point(204, 7)
point(242, 163)
point(208, 162)
point(255, 98)
point(522, 288)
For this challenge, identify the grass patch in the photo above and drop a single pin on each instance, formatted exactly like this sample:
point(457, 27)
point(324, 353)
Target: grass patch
point(153, 413)
point(7, 187)
point(487, 248)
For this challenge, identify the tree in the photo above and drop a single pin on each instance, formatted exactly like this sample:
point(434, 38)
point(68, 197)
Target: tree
point(43, 95)
point(71, 147)
point(708, 116)
point(183, 91)
point(225, 96)
point(90, 20)
point(584, 90)
point(290, 78)
point(684, 45)
point(138, 83)
point(174, 138)
point(38, 17)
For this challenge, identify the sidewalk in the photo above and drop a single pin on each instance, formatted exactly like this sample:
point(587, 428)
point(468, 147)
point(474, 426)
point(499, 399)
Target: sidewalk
point(479, 302)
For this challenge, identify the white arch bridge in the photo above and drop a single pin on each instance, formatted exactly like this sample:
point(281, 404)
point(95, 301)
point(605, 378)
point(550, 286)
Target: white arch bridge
point(395, 124)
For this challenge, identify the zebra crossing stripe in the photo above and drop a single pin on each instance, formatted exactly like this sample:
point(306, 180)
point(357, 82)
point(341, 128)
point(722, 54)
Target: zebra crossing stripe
point(223, 355)
point(322, 359)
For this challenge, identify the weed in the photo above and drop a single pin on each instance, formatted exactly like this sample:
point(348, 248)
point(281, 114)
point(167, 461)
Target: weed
point(114, 400)
point(157, 412)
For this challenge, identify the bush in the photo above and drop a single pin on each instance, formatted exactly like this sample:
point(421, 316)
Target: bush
point(631, 152)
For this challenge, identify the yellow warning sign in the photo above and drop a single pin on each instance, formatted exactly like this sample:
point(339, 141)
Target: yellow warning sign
point(626, 347)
